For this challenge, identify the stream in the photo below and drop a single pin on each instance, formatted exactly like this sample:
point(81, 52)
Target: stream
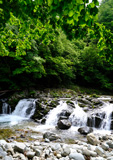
point(100, 120)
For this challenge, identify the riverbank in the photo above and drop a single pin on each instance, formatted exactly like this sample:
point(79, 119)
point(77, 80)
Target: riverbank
point(51, 147)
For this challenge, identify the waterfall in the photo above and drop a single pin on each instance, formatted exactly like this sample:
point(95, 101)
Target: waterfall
point(23, 111)
point(106, 122)
point(6, 109)
point(25, 108)
point(77, 117)
point(52, 117)
point(99, 118)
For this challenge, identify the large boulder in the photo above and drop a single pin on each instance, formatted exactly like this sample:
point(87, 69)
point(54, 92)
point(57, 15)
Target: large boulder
point(64, 124)
point(85, 130)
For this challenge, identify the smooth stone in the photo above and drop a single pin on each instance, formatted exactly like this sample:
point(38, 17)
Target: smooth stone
point(89, 153)
point(30, 154)
point(64, 124)
point(105, 146)
point(8, 158)
point(65, 151)
point(85, 130)
point(19, 147)
point(36, 143)
point(51, 136)
point(76, 156)
point(2, 153)
point(110, 144)
point(2, 142)
point(58, 156)
point(99, 151)
point(55, 147)
point(92, 139)
point(38, 152)
point(22, 157)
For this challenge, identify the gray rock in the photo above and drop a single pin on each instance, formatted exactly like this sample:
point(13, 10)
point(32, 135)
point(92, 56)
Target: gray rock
point(51, 136)
point(85, 130)
point(2, 153)
point(38, 152)
point(7, 158)
point(19, 147)
point(65, 151)
point(89, 153)
point(22, 157)
point(92, 139)
point(30, 154)
point(110, 144)
point(64, 124)
point(76, 156)
point(99, 151)
point(105, 146)
point(56, 146)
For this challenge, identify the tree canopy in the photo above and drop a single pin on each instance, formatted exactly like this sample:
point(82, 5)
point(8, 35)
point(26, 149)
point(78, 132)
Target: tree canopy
point(54, 40)
point(25, 21)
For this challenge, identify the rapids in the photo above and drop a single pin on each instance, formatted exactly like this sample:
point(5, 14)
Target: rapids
point(78, 117)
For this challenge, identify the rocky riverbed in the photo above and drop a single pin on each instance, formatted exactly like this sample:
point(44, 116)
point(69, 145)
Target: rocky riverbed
point(51, 147)
point(52, 144)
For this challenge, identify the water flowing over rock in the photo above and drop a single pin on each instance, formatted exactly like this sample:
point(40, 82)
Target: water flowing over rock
point(25, 108)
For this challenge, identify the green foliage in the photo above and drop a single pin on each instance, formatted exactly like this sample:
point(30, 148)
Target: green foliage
point(106, 14)
point(93, 69)
point(24, 21)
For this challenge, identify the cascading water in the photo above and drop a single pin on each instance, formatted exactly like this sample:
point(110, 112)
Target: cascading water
point(77, 117)
point(23, 111)
point(6, 109)
point(100, 118)
point(106, 122)
point(25, 108)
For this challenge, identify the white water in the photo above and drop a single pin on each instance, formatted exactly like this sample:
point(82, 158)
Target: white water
point(23, 111)
point(108, 109)
point(52, 117)
point(77, 118)
point(25, 108)
point(6, 109)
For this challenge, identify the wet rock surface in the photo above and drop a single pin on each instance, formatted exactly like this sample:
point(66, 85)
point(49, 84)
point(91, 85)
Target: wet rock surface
point(85, 130)
point(64, 124)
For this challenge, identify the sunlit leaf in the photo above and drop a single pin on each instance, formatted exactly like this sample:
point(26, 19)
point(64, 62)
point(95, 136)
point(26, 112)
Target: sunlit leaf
point(71, 13)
